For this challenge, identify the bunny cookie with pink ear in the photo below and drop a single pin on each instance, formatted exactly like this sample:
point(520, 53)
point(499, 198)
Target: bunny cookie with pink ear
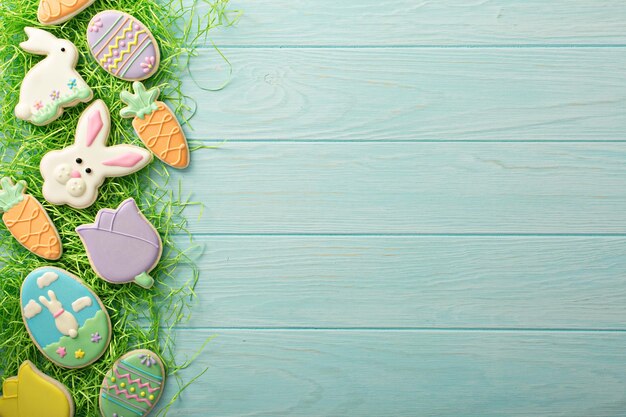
point(73, 175)
point(52, 84)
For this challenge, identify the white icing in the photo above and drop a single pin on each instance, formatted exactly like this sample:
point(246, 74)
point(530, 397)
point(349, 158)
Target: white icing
point(46, 279)
point(65, 321)
point(49, 76)
point(81, 303)
point(66, 181)
point(32, 309)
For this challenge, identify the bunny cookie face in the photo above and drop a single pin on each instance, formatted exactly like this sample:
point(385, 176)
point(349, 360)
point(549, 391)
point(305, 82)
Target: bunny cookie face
point(53, 84)
point(73, 175)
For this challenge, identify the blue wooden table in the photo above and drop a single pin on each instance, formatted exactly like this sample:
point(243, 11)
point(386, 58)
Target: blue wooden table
point(420, 210)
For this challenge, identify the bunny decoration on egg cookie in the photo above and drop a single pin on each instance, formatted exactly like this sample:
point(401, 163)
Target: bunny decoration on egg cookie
point(73, 175)
point(52, 84)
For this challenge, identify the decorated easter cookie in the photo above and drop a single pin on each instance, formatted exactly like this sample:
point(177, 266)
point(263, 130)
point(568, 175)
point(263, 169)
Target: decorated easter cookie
point(73, 175)
point(28, 221)
point(52, 12)
point(133, 386)
point(156, 125)
point(123, 46)
point(122, 245)
point(53, 84)
point(65, 319)
point(32, 393)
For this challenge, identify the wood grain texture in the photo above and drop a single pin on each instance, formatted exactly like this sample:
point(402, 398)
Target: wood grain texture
point(411, 22)
point(405, 374)
point(422, 188)
point(411, 94)
point(409, 282)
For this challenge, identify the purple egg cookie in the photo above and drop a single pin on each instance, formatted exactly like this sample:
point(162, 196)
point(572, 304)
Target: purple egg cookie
point(122, 245)
point(123, 46)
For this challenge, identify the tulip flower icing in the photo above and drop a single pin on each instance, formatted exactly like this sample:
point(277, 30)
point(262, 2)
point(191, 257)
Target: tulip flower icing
point(122, 245)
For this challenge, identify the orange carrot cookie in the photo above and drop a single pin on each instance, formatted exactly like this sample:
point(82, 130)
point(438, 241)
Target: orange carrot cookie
point(28, 221)
point(52, 12)
point(156, 125)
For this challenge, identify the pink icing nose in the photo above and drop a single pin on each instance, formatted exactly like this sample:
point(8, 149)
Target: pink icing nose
point(75, 174)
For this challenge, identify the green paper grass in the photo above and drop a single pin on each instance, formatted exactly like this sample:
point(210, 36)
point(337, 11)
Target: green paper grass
point(140, 318)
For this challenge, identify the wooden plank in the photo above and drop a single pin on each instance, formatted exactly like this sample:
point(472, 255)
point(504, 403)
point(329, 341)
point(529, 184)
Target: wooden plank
point(410, 282)
point(386, 373)
point(415, 188)
point(410, 22)
point(411, 94)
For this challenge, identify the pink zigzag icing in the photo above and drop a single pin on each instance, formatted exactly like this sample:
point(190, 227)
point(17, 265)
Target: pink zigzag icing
point(135, 381)
point(128, 396)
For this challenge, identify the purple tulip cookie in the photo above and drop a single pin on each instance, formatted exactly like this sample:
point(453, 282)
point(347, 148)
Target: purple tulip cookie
point(122, 245)
point(123, 46)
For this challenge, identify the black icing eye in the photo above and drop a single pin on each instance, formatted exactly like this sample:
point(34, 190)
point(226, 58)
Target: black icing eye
point(88, 170)
point(62, 49)
point(79, 161)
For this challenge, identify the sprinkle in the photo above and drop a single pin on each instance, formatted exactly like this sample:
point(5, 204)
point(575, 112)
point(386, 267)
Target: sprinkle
point(62, 352)
point(79, 354)
point(96, 338)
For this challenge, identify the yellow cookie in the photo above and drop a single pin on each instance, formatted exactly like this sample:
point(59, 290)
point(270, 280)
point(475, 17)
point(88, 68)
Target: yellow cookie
point(32, 393)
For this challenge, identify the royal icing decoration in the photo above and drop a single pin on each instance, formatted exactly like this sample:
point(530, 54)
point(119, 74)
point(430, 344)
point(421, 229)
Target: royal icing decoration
point(62, 334)
point(156, 125)
point(73, 175)
point(32, 393)
point(52, 12)
point(133, 386)
point(123, 46)
point(28, 221)
point(122, 245)
point(52, 84)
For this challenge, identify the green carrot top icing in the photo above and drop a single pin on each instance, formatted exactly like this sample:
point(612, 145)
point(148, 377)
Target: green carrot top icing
point(141, 103)
point(11, 194)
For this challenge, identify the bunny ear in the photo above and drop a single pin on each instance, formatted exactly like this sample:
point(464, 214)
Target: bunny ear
point(52, 295)
point(43, 301)
point(93, 126)
point(122, 160)
point(39, 41)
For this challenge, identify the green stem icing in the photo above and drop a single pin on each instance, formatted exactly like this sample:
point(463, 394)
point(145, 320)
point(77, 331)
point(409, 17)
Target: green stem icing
point(50, 110)
point(140, 104)
point(10, 194)
point(144, 280)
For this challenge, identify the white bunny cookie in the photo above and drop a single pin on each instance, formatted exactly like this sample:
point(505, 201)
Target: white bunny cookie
point(52, 84)
point(73, 175)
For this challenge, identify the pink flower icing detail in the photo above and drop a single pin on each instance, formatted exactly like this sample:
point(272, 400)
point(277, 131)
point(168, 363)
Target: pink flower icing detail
point(96, 25)
point(38, 105)
point(147, 64)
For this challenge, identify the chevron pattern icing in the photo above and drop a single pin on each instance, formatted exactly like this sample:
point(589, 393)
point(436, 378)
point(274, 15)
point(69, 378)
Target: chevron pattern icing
point(135, 381)
point(126, 51)
point(114, 47)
